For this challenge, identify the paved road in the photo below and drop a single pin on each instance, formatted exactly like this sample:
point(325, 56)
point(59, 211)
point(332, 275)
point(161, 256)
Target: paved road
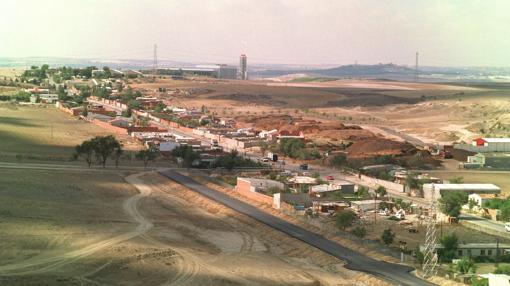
point(395, 273)
point(487, 225)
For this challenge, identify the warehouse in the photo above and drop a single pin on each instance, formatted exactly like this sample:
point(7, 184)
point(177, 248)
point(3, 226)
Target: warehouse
point(492, 144)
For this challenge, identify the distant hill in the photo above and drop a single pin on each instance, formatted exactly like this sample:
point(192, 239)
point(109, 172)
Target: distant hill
point(397, 72)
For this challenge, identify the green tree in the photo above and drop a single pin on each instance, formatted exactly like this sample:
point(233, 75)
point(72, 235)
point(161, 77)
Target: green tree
point(147, 155)
point(381, 191)
point(451, 203)
point(104, 147)
point(471, 204)
point(86, 151)
point(466, 265)
point(387, 236)
point(450, 243)
point(117, 153)
point(345, 218)
point(504, 210)
point(187, 154)
point(362, 192)
point(291, 147)
point(457, 180)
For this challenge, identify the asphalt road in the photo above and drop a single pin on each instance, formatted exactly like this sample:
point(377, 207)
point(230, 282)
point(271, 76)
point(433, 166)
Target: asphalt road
point(394, 273)
point(487, 225)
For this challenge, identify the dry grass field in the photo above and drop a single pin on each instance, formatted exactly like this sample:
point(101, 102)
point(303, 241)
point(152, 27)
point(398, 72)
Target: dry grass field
point(44, 131)
point(10, 73)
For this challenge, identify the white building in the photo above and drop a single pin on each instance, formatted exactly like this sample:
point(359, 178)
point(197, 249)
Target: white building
point(482, 198)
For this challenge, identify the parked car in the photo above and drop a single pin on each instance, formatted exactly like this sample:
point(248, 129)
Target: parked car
point(264, 159)
point(507, 226)
point(330, 178)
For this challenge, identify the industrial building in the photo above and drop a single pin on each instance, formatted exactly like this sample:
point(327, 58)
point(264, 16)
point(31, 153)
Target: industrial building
point(220, 71)
point(243, 67)
point(434, 191)
point(491, 145)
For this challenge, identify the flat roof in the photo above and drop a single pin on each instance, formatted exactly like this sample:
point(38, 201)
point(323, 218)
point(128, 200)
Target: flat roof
point(496, 140)
point(464, 187)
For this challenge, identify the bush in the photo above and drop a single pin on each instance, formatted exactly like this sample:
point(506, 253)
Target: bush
point(387, 236)
point(503, 269)
point(359, 231)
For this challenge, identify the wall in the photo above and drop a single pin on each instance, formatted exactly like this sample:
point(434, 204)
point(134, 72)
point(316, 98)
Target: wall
point(106, 125)
point(386, 184)
point(245, 188)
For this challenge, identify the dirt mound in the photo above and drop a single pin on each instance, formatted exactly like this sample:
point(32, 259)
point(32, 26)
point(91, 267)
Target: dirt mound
point(379, 147)
point(346, 134)
point(268, 122)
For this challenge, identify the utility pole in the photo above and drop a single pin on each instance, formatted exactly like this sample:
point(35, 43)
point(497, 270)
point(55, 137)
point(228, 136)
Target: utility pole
point(155, 62)
point(416, 77)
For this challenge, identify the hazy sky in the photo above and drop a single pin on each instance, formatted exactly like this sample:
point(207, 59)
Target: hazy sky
point(446, 33)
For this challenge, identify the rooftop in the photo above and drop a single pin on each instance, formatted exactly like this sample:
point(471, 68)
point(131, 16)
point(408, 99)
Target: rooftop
point(497, 140)
point(464, 187)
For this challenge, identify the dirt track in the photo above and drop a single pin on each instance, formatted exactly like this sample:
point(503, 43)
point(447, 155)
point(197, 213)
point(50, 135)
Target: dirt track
point(46, 264)
point(180, 238)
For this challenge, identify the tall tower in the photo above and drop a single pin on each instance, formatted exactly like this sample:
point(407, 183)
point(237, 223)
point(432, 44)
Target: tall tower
point(429, 254)
point(243, 67)
point(155, 62)
point(416, 78)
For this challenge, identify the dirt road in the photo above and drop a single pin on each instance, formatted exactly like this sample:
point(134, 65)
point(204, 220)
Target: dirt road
point(42, 264)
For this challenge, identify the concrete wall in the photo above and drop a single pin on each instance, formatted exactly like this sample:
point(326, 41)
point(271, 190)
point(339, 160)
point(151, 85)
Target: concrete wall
point(386, 184)
point(248, 188)
point(106, 125)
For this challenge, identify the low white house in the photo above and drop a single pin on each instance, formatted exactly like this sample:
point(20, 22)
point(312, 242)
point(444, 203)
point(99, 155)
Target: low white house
point(480, 199)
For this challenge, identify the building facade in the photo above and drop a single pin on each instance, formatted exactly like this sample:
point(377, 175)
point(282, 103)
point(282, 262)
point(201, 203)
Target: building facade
point(243, 67)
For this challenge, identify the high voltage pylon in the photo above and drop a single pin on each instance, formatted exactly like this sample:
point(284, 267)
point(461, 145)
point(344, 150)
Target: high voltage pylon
point(155, 62)
point(416, 75)
point(430, 253)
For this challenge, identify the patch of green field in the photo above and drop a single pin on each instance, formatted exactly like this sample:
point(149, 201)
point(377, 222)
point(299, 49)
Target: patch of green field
point(42, 131)
point(48, 212)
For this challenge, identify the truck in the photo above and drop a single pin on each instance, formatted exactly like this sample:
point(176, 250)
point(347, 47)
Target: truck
point(272, 156)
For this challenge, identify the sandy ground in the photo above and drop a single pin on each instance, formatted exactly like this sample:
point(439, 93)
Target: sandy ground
point(373, 84)
point(165, 234)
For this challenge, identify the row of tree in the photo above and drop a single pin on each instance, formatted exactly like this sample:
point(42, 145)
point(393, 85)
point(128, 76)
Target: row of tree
point(103, 147)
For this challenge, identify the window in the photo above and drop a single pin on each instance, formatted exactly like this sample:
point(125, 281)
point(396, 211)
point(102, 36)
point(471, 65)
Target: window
point(469, 252)
point(459, 253)
point(489, 252)
point(482, 252)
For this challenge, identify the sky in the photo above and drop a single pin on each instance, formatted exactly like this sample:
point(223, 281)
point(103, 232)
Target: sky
point(445, 33)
